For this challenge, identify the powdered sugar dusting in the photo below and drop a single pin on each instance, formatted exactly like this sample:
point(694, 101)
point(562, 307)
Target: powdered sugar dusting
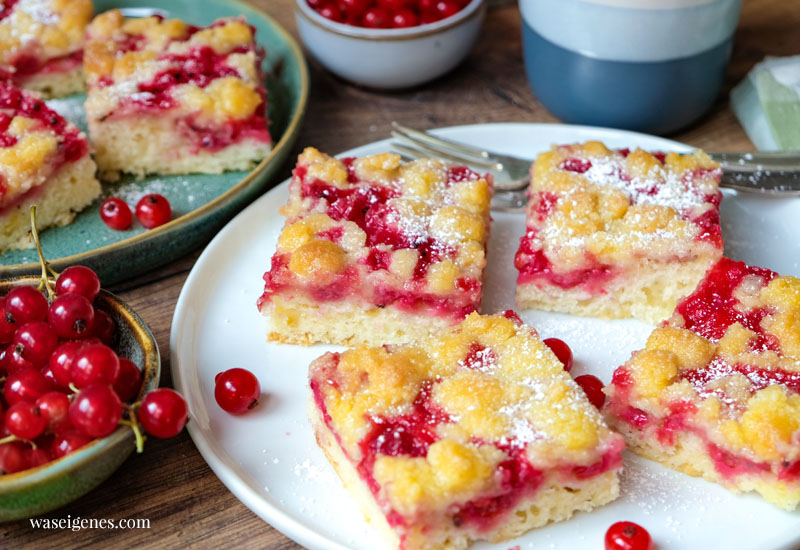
point(659, 186)
point(40, 10)
point(133, 191)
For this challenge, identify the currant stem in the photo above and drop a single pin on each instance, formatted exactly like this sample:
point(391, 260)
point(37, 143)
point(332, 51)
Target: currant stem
point(45, 284)
point(12, 438)
point(140, 438)
point(74, 388)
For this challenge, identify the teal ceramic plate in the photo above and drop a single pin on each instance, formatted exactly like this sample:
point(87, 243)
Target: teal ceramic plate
point(201, 203)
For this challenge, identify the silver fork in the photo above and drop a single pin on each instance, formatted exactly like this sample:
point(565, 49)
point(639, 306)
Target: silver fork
point(774, 174)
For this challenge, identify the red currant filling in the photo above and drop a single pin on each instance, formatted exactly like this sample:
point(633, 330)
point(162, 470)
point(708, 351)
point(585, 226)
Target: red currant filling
point(710, 309)
point(412, 434)
point(26, 65)
point(200, 66)
point(365, 205)
point(71, 146)
point(534, 265)
point(729, 465)
point(6, 8)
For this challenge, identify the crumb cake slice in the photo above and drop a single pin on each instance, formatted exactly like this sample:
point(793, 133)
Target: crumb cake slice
point(44, 161)
point(376, 251)
point(477, 433)
point(716, 391)
point(167, 97)
point(617, 234)
point(41, 44)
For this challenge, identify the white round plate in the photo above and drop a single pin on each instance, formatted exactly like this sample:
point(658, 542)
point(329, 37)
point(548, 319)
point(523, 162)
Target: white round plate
point(268, 458)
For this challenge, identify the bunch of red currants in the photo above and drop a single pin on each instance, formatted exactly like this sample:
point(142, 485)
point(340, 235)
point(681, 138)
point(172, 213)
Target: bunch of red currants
point(62, 383)
point(387, 14)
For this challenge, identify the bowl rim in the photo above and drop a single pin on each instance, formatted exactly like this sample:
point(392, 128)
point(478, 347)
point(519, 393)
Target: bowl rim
point(151, 374)
point(468, 12)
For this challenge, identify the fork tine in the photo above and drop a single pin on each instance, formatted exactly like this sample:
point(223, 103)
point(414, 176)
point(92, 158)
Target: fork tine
point(439, 143)
point(502, 187)
point(429, 150)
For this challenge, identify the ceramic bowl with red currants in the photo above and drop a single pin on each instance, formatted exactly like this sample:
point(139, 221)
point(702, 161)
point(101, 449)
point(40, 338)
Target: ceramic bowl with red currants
point(79, 372)
point(387, 14)
point(389, 44)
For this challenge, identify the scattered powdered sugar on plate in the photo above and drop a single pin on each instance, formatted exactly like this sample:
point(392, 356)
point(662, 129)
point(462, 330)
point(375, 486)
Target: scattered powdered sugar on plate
point(309, 471)
point(133, 191)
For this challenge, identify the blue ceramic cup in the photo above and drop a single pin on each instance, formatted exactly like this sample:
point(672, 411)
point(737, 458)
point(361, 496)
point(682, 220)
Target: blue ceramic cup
point(648, 65)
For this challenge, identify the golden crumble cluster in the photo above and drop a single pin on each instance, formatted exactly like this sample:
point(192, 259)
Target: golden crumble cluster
point(716, 391)
point(375, 250)
point(41, 43)
point(476, 434)
point(44, 160)
point(617, 233)
point(192, 99)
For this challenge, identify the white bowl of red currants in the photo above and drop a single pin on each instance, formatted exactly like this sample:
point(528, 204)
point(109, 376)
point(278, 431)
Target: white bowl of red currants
point(79, 372)
point(389, 44)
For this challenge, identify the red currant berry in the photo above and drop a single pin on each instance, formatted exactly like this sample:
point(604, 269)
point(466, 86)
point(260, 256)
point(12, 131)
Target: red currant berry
point(353, 8)
point(103, 327)
point(35, 341)
point(153, 210)
point(163, 413)
point(236, 390)
point(25, 303)
point(95, 364)
point(593, 388)
point(376, 18)
point(54, 409)
point(36, 457)
point(116, 214)
point(96, 410)
point(329, 11)
point(447, 8)
point(7, 329)
point(626, 535)
point(562, 351)
point(129, 380)
point(404, 18)
point(426, 6)
point(25, 385)
point(393, 5)
point(316, 4)
point(429, 17)
point(68, 442)
point(71, 315)
point(78, 279)
point(23, 420)
point(12, 458)
point(61, 362)
point(13, 361)
point(49, 376)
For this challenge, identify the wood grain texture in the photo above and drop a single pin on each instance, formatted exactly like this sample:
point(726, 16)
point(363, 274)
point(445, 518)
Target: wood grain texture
point(170, 484)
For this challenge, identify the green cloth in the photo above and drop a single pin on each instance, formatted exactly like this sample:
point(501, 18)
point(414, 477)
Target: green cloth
point(767, 104)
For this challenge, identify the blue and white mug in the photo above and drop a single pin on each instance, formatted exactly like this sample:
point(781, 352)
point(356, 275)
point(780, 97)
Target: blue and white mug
point(648, 65)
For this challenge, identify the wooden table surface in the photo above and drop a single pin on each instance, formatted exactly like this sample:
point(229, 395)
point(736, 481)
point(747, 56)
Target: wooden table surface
point(170, 484)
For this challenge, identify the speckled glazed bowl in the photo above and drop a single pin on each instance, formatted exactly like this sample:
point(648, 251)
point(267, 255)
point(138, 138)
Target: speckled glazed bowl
point(390, 58)
point(38, 490)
